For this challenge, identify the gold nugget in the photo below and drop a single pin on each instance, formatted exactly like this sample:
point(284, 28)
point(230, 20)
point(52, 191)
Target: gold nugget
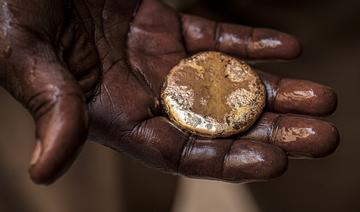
point(213, 95)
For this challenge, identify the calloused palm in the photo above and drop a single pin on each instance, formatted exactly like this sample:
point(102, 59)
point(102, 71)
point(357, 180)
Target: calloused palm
point(118, 53)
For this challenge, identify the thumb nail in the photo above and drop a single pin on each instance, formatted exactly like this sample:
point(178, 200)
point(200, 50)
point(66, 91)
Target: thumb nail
point(36, 154)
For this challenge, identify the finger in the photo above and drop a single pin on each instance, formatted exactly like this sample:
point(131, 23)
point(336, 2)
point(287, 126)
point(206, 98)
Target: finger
point(37, 79)
point(159, 144)
point(299, 136)
point(237, 161)
point(248, 43)
point(298, 96)
point(154, 44)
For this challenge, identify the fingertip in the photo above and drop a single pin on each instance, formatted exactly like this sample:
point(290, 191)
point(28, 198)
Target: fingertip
point(292, 47)
point(38, 176)
point(304, 137)
point(329, 142)
point(36, 153)
point(277, 166)
point(34, 172)
point(39, 172)
point(272, 44)
point(330, 101)
point(304, 97)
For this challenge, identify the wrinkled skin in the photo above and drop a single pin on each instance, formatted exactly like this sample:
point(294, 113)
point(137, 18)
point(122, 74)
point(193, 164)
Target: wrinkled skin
point(107, 60)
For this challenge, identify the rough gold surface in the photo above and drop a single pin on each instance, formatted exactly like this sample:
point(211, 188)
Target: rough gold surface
point(213, 95)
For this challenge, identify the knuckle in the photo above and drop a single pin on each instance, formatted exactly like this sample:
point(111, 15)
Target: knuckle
point(43, 101)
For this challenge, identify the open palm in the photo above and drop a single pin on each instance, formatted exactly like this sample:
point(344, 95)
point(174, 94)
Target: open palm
point(117, 53)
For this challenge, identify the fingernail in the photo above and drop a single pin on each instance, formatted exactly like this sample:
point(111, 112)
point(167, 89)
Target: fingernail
point(36, 154)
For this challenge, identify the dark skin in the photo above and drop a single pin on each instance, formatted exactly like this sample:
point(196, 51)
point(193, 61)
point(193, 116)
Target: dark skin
point(69, 62)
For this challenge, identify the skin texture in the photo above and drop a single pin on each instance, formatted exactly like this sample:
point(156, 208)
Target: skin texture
point(66, 61)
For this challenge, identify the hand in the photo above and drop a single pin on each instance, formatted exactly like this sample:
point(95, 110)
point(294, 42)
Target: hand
point(117, 54)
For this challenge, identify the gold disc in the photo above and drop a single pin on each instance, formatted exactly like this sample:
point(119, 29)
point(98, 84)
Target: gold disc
point(213, 95)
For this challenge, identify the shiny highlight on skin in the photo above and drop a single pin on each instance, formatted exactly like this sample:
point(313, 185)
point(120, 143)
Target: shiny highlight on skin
point(55, 58)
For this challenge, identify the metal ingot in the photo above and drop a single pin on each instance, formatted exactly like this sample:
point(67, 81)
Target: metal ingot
point(213, 95)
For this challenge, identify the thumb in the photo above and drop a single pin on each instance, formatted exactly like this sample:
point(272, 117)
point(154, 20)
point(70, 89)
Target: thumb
point(37, 78)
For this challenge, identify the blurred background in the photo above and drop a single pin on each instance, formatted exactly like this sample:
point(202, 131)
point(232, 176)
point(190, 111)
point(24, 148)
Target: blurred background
point(102, 180)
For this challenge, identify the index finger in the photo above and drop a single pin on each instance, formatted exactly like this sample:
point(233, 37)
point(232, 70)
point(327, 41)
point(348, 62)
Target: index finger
point(246, 42)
